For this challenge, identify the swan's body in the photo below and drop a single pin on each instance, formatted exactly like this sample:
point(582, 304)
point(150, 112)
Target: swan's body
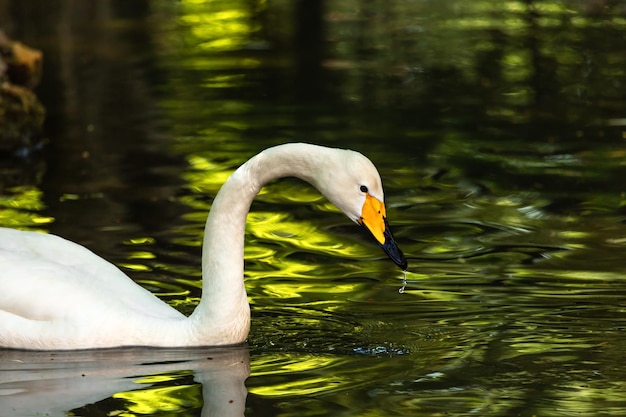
point(55, 294)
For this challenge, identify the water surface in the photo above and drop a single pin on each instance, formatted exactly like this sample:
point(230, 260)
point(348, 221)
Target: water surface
point(498, 128)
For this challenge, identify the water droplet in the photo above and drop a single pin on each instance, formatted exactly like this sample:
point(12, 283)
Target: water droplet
point(401, 289)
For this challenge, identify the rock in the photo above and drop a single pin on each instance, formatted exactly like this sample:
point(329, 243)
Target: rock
point(21, 113)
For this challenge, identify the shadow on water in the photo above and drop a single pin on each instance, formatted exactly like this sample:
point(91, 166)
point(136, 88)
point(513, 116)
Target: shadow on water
point(499, 129)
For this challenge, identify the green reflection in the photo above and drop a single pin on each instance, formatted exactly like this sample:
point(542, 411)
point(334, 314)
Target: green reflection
point(20, 207)
point(160, 399)
point(134, 266)
point(292, 376)
point(225, 29)
point(301, 234)
point(141, 255)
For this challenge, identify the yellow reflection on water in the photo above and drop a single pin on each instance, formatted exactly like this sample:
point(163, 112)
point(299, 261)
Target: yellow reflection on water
point(134, 267)
point(227, 26)
point(301, 234)
point(224, 81)
point(20, 207)
point(588, 397)
point(26, 198)
point(279, 364)
point(141, 255)
point(144, 240)
point(159, 399)
point(301, 387)
point(311, 369)
point(205, 175)
point(293, 290)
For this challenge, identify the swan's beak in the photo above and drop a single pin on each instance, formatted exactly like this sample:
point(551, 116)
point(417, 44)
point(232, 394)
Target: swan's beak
point(374, 219)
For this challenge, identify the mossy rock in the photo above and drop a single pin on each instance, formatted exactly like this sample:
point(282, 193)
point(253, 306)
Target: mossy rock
point(21, 113)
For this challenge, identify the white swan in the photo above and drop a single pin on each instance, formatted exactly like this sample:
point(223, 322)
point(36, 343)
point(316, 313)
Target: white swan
point(57, 295)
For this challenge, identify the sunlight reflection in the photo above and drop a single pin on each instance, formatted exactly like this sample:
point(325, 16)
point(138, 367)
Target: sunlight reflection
point(20, 207)
point(161, 399)
point(220, 30)
point(302, 235)
point(309, 366)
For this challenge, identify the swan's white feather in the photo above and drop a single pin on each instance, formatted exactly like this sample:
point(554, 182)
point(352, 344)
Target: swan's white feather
point(70, 274)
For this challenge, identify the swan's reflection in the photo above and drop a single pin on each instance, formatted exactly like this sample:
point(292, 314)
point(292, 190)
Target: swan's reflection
point(54, 383)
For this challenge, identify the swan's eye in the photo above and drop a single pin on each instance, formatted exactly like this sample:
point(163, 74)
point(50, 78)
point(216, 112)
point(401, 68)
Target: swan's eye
point(363, 189)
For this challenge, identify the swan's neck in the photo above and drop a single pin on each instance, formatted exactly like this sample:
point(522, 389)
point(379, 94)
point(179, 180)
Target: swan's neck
point(224, 300)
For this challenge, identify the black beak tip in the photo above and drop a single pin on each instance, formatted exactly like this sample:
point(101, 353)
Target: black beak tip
point(403, 264)
point(395, 254)
point(390, 247)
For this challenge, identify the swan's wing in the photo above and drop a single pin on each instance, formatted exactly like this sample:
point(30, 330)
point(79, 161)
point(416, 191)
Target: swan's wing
point(45, 277)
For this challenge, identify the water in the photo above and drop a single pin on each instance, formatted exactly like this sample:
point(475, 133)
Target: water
point(498, 128)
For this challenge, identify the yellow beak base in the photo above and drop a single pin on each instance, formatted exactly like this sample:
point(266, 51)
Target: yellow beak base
point(374, 219)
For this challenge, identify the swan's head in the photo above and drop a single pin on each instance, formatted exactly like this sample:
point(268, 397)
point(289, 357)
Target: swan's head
point(353, 184)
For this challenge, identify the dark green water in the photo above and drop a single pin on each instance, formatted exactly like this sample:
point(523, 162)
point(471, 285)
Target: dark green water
point(499, 129)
